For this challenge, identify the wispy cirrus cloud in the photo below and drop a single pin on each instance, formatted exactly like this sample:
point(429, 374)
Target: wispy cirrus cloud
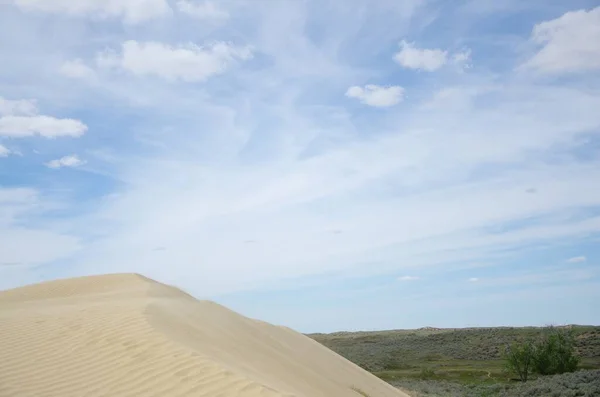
point(17, 107)
point(202, 10)
point(408, 278)
point(77, 69)
point(18, 239)
point(232, 147)
point(132, 11)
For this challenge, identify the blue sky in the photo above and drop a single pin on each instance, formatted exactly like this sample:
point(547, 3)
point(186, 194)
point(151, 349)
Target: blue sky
point(325, 165)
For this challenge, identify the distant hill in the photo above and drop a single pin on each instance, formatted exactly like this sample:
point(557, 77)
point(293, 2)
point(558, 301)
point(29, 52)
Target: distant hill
point(381, 350)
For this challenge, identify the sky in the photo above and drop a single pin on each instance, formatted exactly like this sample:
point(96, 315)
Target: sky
point(325, 165)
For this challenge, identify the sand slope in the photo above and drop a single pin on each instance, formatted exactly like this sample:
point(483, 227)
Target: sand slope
point(126, 335)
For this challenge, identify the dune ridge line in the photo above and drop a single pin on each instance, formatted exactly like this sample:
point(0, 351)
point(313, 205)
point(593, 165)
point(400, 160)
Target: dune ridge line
point(127, 335)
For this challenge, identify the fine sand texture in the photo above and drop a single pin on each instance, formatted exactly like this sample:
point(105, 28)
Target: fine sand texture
point(126, 335)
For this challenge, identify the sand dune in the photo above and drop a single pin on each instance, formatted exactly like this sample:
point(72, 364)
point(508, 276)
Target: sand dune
point(126, 335)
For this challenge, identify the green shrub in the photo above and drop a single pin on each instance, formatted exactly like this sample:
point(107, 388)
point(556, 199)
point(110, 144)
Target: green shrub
point(519, 358)
point(576, 384)
point(555, 352)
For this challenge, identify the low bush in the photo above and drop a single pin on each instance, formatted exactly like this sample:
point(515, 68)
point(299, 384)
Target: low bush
point(520, 359)
point(575, 384)
point(553, 353)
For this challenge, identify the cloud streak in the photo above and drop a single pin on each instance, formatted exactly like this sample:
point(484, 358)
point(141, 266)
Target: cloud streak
point(17, 107)
point(223, 157)
point(19, 119)
point(18, 239)
point(132, 11)
point(188, 62)
point(202, 10)
point(44, 126)
point(377, 96)
point(4, 151)
point(71, 161)
point(408, 278)
point(77, 69)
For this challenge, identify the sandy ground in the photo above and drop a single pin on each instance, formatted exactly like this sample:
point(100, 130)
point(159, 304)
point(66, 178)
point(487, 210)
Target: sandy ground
point(126, 335)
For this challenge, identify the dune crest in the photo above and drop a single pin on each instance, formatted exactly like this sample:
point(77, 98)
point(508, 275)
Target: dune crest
point(126, 335)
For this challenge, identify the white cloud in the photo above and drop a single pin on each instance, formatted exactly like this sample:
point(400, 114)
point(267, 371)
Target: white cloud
point(430, 60)
point(551, 274)
point(19, 119)
point(17, 107)
point(77, 69)
point(132, 11)
point(377, 96)
point(188, 62)
point(412, 57)
point(408, 278)
point(398, 195)
point(201, 10)
point(71, 161)
point(577, 259)
point(424, 228)
point(44, 126)
point(569, 43)
point(246, 160)
point(4, 151)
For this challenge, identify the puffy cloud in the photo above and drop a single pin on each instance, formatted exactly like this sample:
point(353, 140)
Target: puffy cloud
point(412, 57)
point(430, 60)
point(205, 10)
point(577, 259)
point(71, 161)
point(375, 95)
point(45, 126)
point(569, 43)
point(19, 119)
point(188, 62)
point(132, 11)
